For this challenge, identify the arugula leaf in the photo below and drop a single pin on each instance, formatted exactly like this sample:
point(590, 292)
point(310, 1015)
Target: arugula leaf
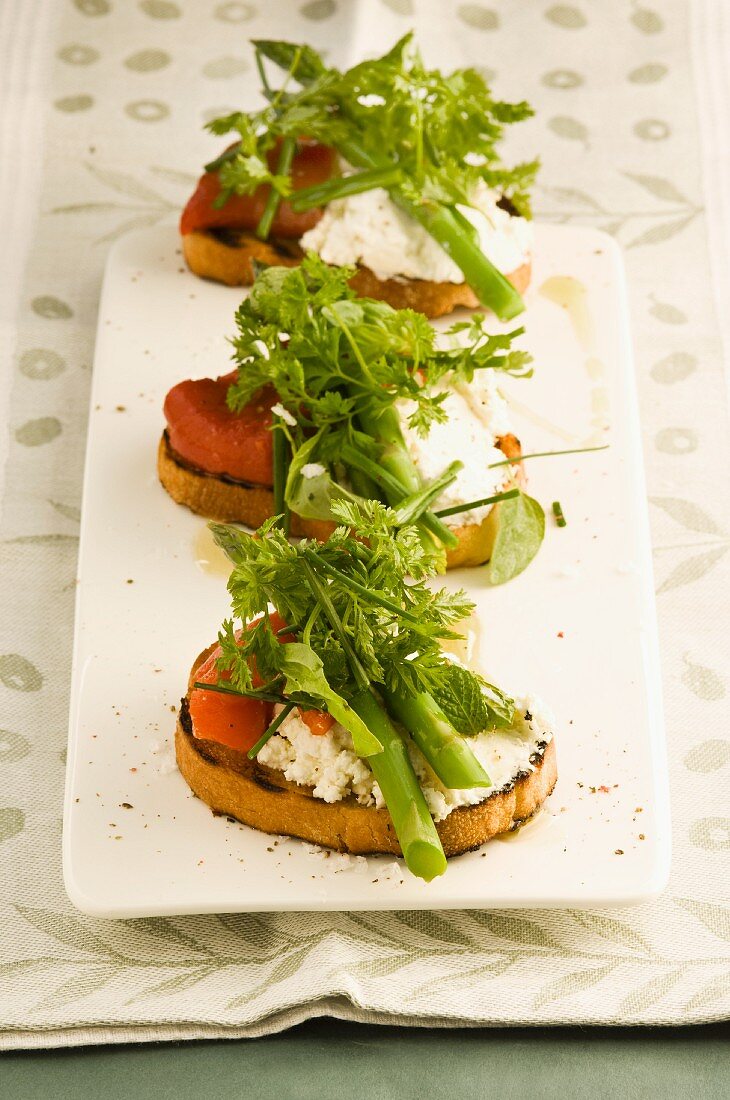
point(520, 531)
point(304, 672)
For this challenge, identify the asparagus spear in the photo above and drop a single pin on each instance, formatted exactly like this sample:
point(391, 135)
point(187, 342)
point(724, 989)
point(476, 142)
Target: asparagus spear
point(445, 750)
point(384, 425)
point(393, 770)
point(395, 459)
point(488, 283)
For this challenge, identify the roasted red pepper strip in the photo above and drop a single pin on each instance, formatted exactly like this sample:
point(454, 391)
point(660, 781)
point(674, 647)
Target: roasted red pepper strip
point(237, 720)
point(204, 432)
point(313, 163)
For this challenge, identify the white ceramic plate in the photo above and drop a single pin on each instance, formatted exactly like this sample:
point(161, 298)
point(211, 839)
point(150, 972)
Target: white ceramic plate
point(578, 628)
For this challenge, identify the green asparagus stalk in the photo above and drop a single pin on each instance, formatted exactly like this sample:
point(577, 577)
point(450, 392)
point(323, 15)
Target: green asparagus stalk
point(445, 750)
point(394, 459)
point(406, 804)
point(487, 282)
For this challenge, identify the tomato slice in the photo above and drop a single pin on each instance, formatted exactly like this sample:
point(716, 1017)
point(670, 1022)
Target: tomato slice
point(313, 163)
point(204, 432)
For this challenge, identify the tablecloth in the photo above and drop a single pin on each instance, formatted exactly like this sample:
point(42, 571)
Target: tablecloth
point(103, 104)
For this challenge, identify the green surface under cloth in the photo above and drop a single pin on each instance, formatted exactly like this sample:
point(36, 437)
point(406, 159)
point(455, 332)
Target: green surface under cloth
point(328, 1060)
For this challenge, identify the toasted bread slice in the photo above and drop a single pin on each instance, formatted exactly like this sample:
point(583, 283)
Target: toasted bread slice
point(228, 256)
point(228, 501)
point(232, 785)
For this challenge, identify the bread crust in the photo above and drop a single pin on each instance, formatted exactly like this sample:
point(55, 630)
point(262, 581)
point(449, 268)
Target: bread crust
point(227, 256)
point(228, 501)
point(234, 786)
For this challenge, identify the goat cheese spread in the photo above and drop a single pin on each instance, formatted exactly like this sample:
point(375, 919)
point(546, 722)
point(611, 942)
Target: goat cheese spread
point(477, 415)
point(369, 229)
point(328, 764)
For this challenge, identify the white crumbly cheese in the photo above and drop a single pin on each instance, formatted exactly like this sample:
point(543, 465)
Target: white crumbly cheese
point(328, 764)
point(312, 469)
point(477, 416)
point(369, 229)
point(325, 762)
point(285, 415)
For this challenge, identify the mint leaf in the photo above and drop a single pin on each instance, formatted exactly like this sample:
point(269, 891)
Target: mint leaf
point(459, 695)
point(469, 703)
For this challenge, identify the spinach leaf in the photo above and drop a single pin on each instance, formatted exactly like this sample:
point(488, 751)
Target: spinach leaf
point(520, 531)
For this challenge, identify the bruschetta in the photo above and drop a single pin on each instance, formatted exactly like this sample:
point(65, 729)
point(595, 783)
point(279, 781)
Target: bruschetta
point(337, 397)
point(354, 729)
point(399, 178)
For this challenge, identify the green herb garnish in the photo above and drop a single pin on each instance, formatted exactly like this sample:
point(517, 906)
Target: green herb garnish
point(339, 366)
point(428, 138)
point(369, 651)
point(560, 519)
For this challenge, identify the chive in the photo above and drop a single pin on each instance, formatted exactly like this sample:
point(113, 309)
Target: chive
point(262, 72)
point(281, 465)
point(413, 506)
point(351, 456)
point(558, 513)
point(222, 690)
point(547, 454)
point(361, 589)
point(477, 503)
point(321, 193)
point(256, 749)
point(283, 168)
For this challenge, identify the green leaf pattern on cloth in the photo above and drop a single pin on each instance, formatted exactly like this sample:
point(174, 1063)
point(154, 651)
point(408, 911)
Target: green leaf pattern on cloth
point(128, 159)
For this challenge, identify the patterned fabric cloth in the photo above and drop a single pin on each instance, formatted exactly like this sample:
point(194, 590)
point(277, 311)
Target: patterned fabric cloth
point(121, 91)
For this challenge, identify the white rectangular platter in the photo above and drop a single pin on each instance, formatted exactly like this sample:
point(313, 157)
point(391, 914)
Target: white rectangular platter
point(577, 629)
